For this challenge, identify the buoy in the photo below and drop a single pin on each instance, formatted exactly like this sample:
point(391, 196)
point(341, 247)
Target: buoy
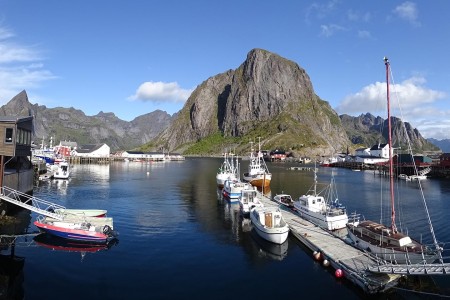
point(338, 273)
point(317, 255)
point(148, 173)
point(326, 263)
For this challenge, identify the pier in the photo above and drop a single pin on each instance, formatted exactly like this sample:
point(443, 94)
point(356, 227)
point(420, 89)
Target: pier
point(338, 252)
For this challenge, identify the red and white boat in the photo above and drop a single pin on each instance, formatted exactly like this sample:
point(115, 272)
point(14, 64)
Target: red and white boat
point(76, 228)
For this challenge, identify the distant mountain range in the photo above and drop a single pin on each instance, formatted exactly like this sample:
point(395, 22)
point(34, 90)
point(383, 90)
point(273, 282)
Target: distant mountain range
point(444, 145)
point(370, 130)
point(70, 124)
point(266, 97)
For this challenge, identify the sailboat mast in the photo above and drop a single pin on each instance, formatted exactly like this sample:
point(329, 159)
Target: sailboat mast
point(391, 163)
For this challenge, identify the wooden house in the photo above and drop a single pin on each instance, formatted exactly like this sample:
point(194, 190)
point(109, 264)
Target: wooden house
point(16, 168)
point(444, 160)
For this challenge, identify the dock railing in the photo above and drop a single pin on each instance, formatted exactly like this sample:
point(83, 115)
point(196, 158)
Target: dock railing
point(32, 203)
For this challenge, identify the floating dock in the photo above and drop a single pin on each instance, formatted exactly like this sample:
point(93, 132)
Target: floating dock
point(353, 262)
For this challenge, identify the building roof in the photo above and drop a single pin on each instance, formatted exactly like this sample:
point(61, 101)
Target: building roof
point(89, 148)
point(378, 146)
point(15, 119)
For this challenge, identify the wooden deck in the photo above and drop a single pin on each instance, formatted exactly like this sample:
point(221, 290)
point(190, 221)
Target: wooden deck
point(336, 249)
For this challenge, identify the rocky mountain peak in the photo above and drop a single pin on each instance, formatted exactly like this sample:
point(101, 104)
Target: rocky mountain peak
point(266, 90)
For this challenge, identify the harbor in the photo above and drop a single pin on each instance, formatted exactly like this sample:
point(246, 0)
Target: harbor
point(183, 230)
point(332, 248)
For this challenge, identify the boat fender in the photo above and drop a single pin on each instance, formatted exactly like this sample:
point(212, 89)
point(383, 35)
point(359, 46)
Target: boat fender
point(339, 273)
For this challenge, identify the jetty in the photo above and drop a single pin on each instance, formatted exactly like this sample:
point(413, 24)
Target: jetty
point(334, 248)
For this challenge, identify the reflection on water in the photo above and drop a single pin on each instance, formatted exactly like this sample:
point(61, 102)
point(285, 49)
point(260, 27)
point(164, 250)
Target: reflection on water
point(175, 226)
point(11, 277)
point(60, 244)
point(272, 250)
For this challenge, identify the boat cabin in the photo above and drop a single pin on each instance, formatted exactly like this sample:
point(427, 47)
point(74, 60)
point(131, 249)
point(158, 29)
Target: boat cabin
point(384, 235)
point(313, 203)
point(248, 196)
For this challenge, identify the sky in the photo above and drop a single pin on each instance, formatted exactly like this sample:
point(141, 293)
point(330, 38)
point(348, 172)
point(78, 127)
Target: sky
point(134, 57)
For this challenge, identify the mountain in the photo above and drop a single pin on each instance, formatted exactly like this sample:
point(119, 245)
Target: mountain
point(367, 130)
point(71, 124)
point(267, 96)
point(444, 145)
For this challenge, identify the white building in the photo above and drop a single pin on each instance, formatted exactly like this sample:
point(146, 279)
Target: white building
point(139, 155)
point(92, 150)
point(370, 160)
point(380, 150)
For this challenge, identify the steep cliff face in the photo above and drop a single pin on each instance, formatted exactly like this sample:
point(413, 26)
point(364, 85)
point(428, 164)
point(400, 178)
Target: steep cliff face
point(267, 96)
point(73, 125)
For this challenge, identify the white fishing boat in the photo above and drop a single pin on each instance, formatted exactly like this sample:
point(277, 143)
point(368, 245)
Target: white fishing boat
point(389, 243)
point(258, 174)
point(248, 200)
point(269, 224)
point(232, 189)
point(62, 171)
point(284, 199)
point(229, 170)
point(322, 208)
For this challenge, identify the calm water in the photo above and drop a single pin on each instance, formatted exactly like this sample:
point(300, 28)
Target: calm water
point(179, 240)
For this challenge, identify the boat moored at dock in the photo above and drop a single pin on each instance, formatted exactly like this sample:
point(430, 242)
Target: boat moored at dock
point(269, 224)
point(248, 200)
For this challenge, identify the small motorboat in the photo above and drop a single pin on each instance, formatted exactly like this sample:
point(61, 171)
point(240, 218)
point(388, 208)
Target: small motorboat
point(284, 199)
point(269, 224)
point(62, 171)
point(77, 228)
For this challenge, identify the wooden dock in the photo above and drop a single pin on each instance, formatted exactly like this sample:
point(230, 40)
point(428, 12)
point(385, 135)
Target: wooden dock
point(335, 248)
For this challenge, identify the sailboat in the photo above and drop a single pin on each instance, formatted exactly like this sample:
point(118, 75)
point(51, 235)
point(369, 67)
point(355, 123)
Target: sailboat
point(258, 174)
point(389, 243)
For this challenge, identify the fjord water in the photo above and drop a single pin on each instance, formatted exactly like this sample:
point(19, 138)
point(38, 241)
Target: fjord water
point(178, 239)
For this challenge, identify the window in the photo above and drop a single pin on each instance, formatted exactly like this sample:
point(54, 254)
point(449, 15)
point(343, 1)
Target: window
point(9, 135)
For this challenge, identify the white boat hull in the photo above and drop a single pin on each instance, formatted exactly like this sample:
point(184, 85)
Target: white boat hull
point(276, 232)
point(324, 221)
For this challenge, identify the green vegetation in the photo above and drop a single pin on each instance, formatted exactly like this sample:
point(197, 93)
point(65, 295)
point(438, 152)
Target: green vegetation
point(212, 144)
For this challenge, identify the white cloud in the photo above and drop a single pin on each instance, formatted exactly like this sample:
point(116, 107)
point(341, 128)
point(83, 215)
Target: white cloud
point(320, 10)
point(410, 94)
point(408, 12)
point(20, 67)
point(161, 92)
point(417, 103)
point(329, 30)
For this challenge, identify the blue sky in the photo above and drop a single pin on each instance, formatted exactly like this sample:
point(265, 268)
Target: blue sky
point(133, 57)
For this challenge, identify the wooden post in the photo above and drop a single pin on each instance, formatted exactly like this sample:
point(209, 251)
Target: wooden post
point(2, 171)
